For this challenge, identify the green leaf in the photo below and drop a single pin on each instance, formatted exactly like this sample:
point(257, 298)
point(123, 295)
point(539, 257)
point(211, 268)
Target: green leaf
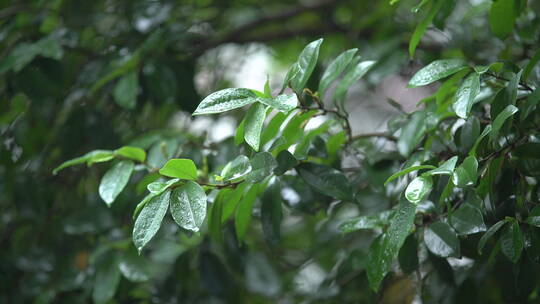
point(468, 134)
point(485, 132)
point(271, 213)
point(214, 217)
point(240, 132)
point(284, 103)
point(406, 171)
point(231, 198)
point(244, 212)
point(225, 100)
point(262, 165)
point(466, 94)
point(501, 118)
point(530, 104)
point(236, 168)
point(532, 62)
point(412, 133)
point(436, 70)
point(149, 220)
point(291, 73)
point(115, 180)
point(180, 168)
point(534, 217)
point(326, 180)
point(126, 90)
point(294, 130)
point(466, 174)
point(442, 240)
point(285, 161)
point(512, 242)
point(134, 267)
point(423, 25)
point(408, 255)
point(376, 221)
point(351, 77)
point(188, 206)
point(467, 220)
point(272, 129)
point(106, 280)
point(158, 187)
point(502, 16)
point(383, 252)
point(491, 231)
point(306, 64)
point(89, 158)
point(447, 168)
point(335, 68)
point(134, 153)
point(253, 125)
point(418, 188)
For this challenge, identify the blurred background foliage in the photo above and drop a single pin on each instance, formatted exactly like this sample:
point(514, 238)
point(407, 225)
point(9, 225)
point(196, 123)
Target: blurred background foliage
point(78, 75)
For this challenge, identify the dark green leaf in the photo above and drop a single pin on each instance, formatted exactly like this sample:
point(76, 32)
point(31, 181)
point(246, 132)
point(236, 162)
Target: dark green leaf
point(406, 171)
point(529, 104)
point(418, 188)
point(468, 134)
point(376, 221)
point(126, 90)
point(244, 212)
point(188, 206)
point(500, 119)
point(180, 168)
point(106, 280)
point(326, 180)
point(491, 231)
point(271, 213)
point(466, 174)
point(385, 249)
point(134, 267)
point(512, 241)
point(485, 132)
point(442, 240)
point(436, 70)
point(285, 161)
point(466, 94)
point(225, 100)
point(253, 125)
point(408, 255)
point(149, 220)
point(534, 217)
point(502, 16)
point(412, 133)
point(335, 68)
point(447, 168)
point(115, 180)
point(423, 25)
point(467, 220)
point(262, 165)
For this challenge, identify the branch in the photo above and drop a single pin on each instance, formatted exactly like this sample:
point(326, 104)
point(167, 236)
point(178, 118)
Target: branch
point(523, 85)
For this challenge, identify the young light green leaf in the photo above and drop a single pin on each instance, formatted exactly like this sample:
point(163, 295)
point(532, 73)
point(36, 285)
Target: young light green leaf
point(236, 168)
point(502, 16)
point(423, 25)
point(306, 64)
point(466, 174)
point(126, 90)
point(466, 94)
point(180, 168)
point(442, 240)
point(512, 242)
point(534, 217)
point(106, 280)
point(436, 70)
point(89, 158)
point(376, 221)
point(491, 231)
point(253, 125)
point(335, 68)
point(134, 153)
point(115, 180)
point(262, 165)
point(225, 100)
point(188, 206)
point(418, 188)
point(351, 77)
point(244, 212)
point(406, 171)
point(447, 168)
point(284, 102)
point(326, 180)
point(149, 220)
point(383, 253)
point(467, 220)
point(500, 119)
